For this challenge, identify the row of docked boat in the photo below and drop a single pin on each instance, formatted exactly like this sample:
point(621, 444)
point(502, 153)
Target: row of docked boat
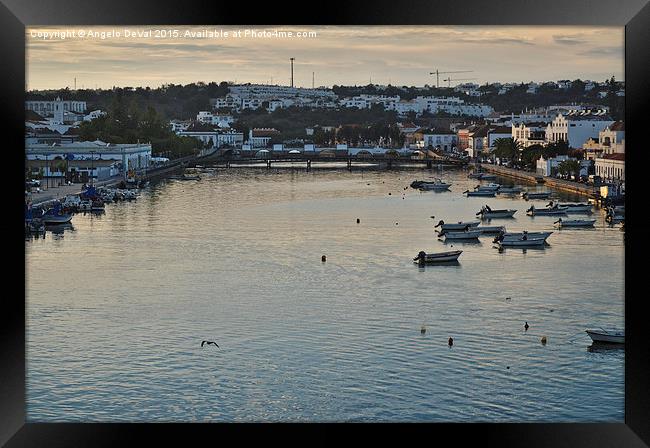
point(60, 212)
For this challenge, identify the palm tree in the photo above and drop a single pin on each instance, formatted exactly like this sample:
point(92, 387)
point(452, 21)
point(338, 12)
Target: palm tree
point(508, 148)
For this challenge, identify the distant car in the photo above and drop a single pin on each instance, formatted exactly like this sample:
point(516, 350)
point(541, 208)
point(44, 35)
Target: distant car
point(34, 183)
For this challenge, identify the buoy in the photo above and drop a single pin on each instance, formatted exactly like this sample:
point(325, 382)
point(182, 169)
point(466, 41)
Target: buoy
point(358, 220)
point(397, 223)
point(389, 194)
point(543, 340)
point(508, 298)
point(423, 329)
point(508, 367)
point(450, 341)
point(526, 326)
point(323, 258)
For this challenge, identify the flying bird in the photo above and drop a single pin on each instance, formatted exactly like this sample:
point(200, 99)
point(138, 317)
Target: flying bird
point(209, 342)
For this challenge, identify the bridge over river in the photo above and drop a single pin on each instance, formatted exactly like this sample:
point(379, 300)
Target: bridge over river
point(229, 159)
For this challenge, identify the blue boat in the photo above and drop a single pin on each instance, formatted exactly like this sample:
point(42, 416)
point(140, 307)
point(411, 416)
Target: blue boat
point(56, 216)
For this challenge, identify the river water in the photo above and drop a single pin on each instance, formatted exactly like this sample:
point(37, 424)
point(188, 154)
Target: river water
point(117, 307)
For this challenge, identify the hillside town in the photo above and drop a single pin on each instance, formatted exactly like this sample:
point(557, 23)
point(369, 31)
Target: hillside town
point(579, 141)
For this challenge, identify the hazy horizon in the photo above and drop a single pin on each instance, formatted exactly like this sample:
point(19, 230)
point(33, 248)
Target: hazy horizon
point(342, 55)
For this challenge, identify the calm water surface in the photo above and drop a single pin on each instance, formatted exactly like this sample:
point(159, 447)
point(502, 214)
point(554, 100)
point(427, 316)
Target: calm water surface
point(117, 307)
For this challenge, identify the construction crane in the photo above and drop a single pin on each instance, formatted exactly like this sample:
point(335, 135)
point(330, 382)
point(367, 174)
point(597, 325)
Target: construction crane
point(449, 80)
point(438, 73)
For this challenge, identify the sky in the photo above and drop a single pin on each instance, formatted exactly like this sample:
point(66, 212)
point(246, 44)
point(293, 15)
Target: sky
point(343, 55)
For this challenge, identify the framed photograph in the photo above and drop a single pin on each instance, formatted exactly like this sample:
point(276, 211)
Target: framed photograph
point(379, 213)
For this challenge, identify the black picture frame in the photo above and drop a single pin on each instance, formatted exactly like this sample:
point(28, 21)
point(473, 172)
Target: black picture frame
point(633, 14)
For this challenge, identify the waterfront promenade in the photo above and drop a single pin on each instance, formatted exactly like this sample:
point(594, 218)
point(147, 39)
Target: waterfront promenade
point(552, 182)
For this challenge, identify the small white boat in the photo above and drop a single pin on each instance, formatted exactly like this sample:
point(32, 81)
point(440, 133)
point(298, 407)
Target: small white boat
point(490, 229)
point(489, 213)
point(467, 234)
point(522, 241)
point(439, 257)
point(460, 225)
point(482, 193)
point(535, 195)
point(608, 337)
point(519, 235)
point(532, 211)
point(574, 222)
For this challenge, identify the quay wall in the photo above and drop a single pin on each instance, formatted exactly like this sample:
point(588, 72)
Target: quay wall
point(552, 182)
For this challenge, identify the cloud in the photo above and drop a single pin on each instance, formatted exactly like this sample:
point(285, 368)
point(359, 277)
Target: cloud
point(569, 39)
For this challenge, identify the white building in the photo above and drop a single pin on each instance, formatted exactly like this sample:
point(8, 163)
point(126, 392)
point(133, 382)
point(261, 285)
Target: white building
point(611, 167)
point(56, 108)
point(529, 133)
point(438, 139)
point(96, 159)
point(549, 167)
point(575, 128)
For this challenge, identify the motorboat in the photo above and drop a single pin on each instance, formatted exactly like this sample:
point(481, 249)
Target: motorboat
point(71, 202)
point(521, 241)
point(488, 177)
point(607, 337)
point(466, 234)
point(437, 184)
point(489, 187)
point(440, 257)
point(460, 225)
point(549, 211)
point(535, 195)
point(574, 222)
point(475, 175)
point(576, 208)
point(518, 235)
point(488, 213)
point(509, 190)
point(490, 229)
point(56, 216)
point(481, 193)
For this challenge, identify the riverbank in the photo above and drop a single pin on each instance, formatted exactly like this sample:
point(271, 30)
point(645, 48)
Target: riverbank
point(552, 182)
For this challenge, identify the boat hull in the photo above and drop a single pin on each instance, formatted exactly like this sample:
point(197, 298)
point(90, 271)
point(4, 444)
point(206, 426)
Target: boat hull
point(490, 193)
point(442, 257)
point(605, 338)
point(523, 243)
point(459, 226)
point(531, 235)
point(57, 219)
point(462, 235)
point(498, 214)
point(589, 223)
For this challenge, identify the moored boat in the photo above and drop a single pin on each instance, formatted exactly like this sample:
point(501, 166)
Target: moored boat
point(56, 216)
point(509, 190)
point(460, 225)
point(576, 207)
point(490, 229)
point(535, 195)
point(522, 242)
point(481, 193)
point(488, 176)
point(437, 184)
point(550, 211)
point(518, 235)
point(574, 222)
point(466, 234)
point(607, 337)
point(440, 257)
point(488, 213)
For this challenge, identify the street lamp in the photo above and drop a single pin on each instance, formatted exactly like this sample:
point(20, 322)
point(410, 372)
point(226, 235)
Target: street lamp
point(92, 166)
